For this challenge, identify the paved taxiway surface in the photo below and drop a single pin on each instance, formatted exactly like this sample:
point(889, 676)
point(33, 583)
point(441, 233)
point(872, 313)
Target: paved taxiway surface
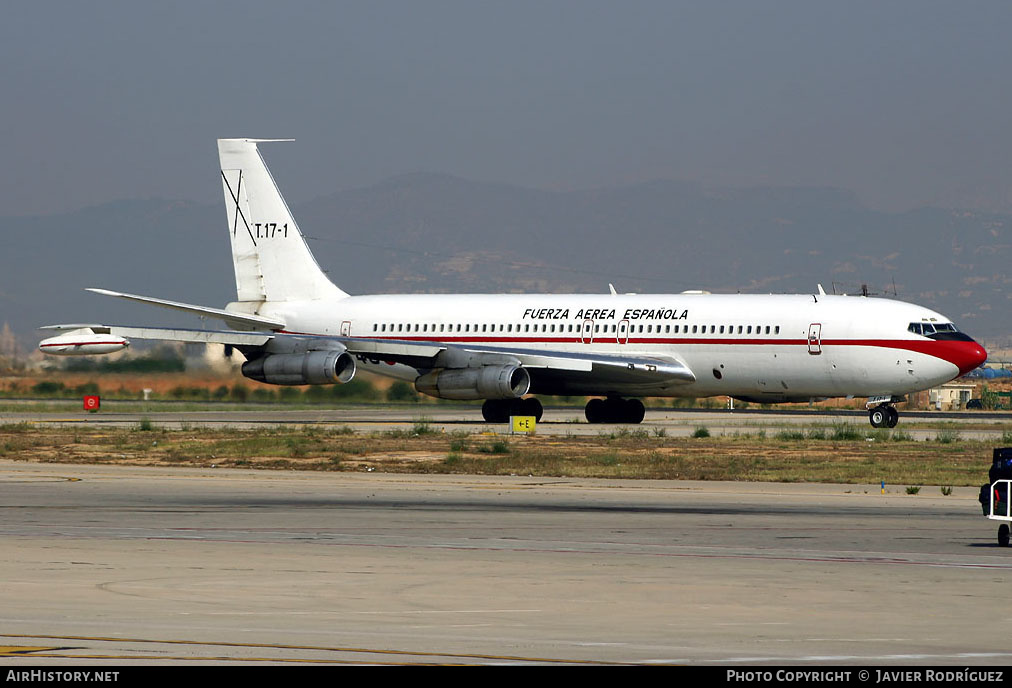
point(557, 421)
point(174, 565)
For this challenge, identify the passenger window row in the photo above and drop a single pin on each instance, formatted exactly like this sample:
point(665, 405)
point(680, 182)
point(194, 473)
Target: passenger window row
point(577, 328)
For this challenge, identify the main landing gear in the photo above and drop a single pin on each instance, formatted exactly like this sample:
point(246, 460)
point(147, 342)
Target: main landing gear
point(610, 410)
point(614, 410)
point(500, 410)
point(884, 416)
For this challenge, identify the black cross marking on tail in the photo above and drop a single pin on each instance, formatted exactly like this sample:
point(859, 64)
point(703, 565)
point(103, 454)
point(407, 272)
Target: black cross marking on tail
point(238, 210)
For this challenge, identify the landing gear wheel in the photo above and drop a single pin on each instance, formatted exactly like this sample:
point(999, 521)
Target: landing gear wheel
point(496, 411)
point(1003, 535)
point(614, 410)
point(500, 410)
point(530, 407)
point(884, 416)
point(634, 411)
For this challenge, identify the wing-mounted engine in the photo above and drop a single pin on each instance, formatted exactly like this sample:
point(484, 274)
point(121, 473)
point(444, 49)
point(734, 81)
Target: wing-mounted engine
point(299, 361)
point(486, 382)
point(309, 368)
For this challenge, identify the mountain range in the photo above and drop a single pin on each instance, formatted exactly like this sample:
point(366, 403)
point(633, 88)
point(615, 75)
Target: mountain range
point(437, 233)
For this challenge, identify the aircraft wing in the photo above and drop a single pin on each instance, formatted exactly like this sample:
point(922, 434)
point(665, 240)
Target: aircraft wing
point(629, 369)
point(626, 369)
point(256, 330)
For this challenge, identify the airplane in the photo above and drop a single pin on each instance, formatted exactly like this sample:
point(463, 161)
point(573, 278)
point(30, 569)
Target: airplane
point(296, 327)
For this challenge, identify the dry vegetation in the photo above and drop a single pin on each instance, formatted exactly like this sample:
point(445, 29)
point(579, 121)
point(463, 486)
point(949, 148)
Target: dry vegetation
point(815, 456)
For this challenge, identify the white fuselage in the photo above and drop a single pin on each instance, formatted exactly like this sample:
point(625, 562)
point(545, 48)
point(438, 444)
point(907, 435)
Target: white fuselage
point(756, 346)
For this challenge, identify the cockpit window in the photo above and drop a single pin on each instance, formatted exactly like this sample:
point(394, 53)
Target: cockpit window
point(938, 331)
point(928, 329)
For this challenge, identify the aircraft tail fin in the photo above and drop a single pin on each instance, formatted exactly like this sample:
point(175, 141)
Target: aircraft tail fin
point(271, 258)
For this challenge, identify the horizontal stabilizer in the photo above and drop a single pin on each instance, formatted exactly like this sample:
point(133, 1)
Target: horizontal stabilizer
point(200, 336)
point(161, 334)
point(77, 326)
point(240, 321)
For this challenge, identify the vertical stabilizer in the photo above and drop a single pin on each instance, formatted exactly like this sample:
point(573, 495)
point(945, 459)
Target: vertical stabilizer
point(271, 258)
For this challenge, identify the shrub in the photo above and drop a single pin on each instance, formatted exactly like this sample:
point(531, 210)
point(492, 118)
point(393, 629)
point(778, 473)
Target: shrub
point(290, 394)
point(356, 389)
point(48, 387)
point(263, 394)
point(87, 388)
point(789, 435)
point(401, 391)
point(947, 436)
point(422, 427)
point(844, 432)
point(495, 447)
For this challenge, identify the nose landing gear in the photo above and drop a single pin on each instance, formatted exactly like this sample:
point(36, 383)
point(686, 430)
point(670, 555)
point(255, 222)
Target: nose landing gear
point(884, 416)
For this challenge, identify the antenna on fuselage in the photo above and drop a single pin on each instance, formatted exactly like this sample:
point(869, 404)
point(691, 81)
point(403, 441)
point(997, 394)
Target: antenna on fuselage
point(863, 290)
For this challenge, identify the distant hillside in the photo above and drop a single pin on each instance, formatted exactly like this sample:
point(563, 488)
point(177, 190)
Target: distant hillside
point(436, 233)
point(448, 234)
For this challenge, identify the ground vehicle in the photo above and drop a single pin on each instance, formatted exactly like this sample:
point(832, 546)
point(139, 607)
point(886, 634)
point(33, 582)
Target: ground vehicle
point(1001, 509)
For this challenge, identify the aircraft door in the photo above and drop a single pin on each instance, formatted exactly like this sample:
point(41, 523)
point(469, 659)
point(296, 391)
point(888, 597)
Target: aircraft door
point(623, 332)
point(815, 339)
point(346, 328)
point(587, 335)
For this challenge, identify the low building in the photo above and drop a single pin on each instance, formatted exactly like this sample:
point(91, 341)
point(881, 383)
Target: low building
point(951, 396)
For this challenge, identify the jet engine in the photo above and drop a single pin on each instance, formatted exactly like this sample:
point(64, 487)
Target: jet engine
point(486, 382)
point(310, 368)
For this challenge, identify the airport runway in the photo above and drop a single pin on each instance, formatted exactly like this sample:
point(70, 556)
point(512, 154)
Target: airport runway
point(557, 421)
point(128, 564)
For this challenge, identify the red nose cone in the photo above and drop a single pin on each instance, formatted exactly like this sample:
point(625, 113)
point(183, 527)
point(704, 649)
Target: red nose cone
point(964, 355)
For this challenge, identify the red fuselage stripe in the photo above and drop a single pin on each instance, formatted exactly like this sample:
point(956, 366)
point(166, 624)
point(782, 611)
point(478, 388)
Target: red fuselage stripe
point(83, 344)
point(965, 355)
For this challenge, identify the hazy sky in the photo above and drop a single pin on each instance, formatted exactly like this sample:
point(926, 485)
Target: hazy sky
point(907, 102)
